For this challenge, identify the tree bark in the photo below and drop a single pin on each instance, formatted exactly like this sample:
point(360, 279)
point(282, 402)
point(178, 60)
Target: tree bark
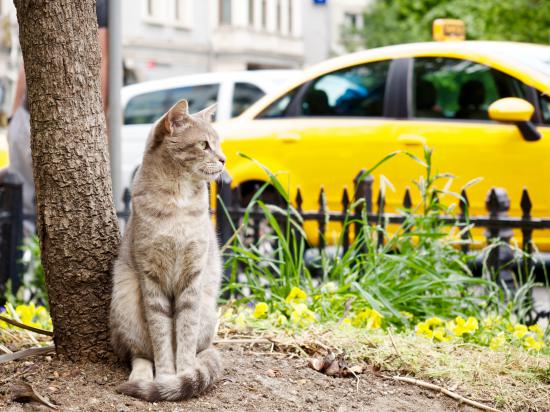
point(76, 218)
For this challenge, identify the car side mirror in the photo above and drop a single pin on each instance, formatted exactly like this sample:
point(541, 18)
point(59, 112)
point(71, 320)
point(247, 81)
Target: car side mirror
point(518, 111)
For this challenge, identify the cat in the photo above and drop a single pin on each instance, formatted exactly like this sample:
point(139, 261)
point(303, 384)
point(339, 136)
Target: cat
point(167, 274)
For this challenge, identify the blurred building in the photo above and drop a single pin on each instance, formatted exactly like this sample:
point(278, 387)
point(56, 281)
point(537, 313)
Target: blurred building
point(163, 38)
point(169, 37)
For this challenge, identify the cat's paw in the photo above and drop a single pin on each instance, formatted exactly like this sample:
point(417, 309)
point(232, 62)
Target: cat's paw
point(142, 370)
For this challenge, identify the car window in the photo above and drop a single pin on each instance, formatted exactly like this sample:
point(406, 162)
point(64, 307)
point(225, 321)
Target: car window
point(279, 108)
point(354, 91)
point(448, 88)
point(244, 94)
point(544, 100)
point(148, 107)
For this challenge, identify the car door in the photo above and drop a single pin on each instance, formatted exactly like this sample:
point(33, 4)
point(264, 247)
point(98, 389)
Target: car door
point(329, 129)
point(449, 102)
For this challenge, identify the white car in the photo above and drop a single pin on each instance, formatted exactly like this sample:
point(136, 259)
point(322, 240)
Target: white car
point(143, 103)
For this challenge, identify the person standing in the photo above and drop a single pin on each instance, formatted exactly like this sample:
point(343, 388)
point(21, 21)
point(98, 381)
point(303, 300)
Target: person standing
point(19, 129)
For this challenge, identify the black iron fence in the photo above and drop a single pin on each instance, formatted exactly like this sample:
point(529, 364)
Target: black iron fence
point(498, 224)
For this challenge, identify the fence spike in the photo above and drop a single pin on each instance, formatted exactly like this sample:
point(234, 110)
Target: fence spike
point(497, 201)
point(322, 199)
point(299, 200)
point(464, 202)
point(525, 203)
point(492, 201)
point(359, 175)
point(407, 201)
point(381, 201)
point(345, 199)
point(322, 216)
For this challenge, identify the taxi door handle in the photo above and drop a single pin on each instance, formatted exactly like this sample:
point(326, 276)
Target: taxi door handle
point(288, 137)
point(412, 140)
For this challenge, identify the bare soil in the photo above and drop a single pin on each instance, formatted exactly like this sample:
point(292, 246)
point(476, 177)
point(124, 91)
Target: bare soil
point(252, 382)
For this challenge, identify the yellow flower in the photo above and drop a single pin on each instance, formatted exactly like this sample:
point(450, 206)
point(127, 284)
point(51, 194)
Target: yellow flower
point(435, 321)
point(520, 331)
point(228, 314)
point(329, 287)
point(408, 315)
point(367, 318)
point(301, 315)
point(241, 321)
point(490, 321)
point(439, 334)
point(296, 295)
point(538, 330)
point(423, 329)
point(532, 344)
point(278, 319)
point(497, 341)
point(462, 326)
point(260, 310)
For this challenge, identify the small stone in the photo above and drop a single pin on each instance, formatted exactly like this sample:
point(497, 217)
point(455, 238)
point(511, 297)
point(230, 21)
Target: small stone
point(56, 374)
point(48, 358)
point(122, 408)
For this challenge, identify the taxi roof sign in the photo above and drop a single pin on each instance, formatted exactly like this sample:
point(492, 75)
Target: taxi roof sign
point(448, 30)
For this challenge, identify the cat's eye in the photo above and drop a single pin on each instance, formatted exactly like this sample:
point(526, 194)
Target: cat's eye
point(203, 144)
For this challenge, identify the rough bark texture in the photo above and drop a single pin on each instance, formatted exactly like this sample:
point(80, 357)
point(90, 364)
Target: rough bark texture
point(76, 218)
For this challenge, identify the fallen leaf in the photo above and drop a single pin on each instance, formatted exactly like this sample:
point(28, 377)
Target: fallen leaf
point(317, 364)
point(23, 392)
point(357, 369)
point(334, 369)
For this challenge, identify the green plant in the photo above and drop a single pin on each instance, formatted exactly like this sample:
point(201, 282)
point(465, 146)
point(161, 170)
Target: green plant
point(33, 282)
point(418, 273)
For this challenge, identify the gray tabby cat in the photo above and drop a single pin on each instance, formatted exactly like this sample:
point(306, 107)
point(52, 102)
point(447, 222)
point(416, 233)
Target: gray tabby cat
point(167, 274)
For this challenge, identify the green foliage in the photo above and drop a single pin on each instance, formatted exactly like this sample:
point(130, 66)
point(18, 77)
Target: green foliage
point(418, 273)
point(402, 21)
point(33, 283)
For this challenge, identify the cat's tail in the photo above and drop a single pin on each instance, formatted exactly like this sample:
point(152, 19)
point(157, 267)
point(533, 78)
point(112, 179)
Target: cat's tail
point(178, 387)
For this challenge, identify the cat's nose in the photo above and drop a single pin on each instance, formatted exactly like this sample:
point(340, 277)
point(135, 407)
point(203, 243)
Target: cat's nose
point(222, 159)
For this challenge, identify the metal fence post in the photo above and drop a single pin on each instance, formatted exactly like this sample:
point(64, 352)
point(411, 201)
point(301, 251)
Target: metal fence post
point(363, 190)
point(223, 199)
point(12, 232)
point(500, 257)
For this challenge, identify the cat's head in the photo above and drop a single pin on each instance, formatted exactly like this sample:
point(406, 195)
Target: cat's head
point(191, 141)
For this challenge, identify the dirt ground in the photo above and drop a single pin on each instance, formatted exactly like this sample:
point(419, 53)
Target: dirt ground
point(252, 382)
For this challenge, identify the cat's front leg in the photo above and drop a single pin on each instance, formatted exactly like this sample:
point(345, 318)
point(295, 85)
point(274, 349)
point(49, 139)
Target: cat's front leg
point(158, 312)
point(186, 315)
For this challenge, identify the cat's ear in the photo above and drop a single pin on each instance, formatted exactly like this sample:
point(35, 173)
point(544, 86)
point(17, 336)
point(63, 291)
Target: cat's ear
point(208, 113)
point(177, 117)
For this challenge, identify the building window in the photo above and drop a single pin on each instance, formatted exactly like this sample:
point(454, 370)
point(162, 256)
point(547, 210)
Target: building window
point(178, 13)
point(154, 9)
point(251, 12)
point(179, 10)
point(290, 17)
point(225, 11)
point(279, 16)
point(264, 14)
point(353, 20)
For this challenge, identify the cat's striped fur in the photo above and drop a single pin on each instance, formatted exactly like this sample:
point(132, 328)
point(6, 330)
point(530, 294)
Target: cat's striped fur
point(168, 271)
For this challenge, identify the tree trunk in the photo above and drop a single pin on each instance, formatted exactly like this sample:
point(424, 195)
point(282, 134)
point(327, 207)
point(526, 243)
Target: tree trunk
point(76, 218)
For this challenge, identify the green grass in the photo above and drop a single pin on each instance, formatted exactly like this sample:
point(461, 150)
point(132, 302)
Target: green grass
point(419, 271)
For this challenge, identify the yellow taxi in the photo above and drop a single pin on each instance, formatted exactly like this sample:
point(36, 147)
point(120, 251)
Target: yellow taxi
point(483, 107)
